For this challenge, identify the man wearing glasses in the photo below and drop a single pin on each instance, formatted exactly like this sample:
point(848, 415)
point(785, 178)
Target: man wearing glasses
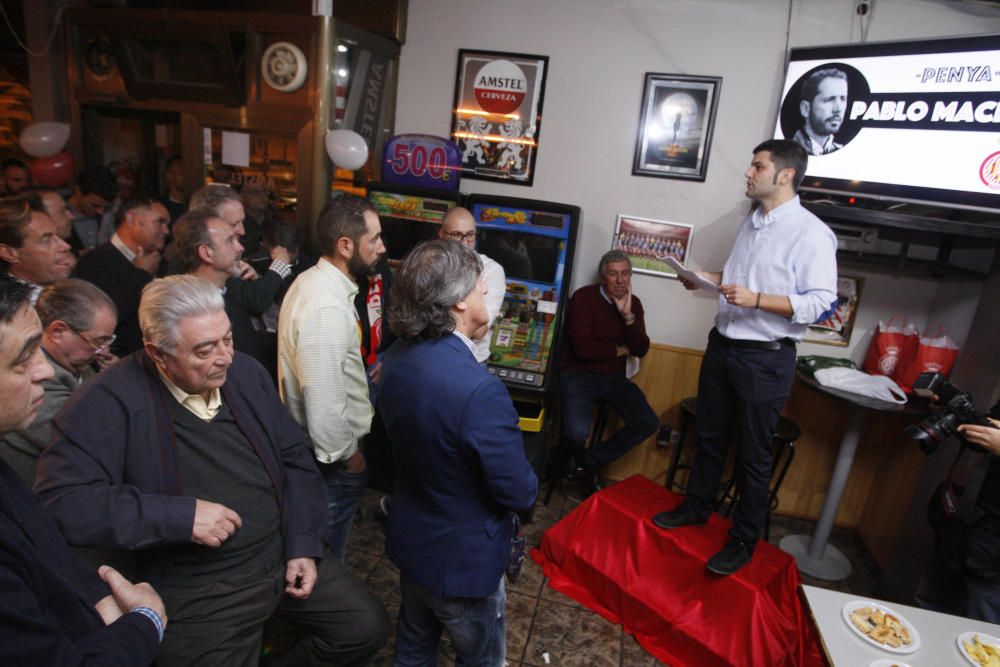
point(459, 225)
point(78, 324)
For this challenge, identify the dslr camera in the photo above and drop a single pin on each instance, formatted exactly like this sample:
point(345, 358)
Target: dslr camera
point(957, 408)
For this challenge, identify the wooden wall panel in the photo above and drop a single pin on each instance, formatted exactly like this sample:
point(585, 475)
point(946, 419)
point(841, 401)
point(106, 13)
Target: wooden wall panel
point(894, 480)
point(667, 376)
point(881, 481)
point(884, 453)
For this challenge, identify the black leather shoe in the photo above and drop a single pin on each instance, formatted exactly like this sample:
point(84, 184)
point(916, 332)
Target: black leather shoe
point(733, 556)
point(682, 515)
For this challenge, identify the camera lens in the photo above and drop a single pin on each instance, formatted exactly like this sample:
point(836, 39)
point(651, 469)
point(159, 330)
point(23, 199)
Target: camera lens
point(930, 432)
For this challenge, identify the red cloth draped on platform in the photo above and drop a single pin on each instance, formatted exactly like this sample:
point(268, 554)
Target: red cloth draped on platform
point(608, 555)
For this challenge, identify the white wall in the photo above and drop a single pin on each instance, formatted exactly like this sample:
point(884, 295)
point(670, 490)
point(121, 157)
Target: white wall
point(598, 53)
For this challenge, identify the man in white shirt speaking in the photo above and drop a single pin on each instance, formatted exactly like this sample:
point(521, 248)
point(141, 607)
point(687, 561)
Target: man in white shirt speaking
point(780, 277)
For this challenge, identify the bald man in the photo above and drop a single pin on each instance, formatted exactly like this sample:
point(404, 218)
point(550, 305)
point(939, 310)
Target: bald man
point(459, 225)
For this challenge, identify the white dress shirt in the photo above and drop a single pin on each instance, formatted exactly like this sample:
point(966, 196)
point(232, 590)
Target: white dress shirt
point(496, 283)
point(468, 342)
point(117, 242)
point(787, 252)
point(322, 376)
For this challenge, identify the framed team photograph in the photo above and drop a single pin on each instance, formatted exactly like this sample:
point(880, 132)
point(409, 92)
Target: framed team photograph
point(649, 243)
point(498, 114)
point(836, 329)
point(675, 126)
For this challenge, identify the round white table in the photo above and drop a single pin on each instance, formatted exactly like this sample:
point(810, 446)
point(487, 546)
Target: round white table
point(812, 553)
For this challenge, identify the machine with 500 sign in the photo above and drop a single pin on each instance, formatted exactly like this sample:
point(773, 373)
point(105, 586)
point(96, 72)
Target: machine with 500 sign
point(421, 160)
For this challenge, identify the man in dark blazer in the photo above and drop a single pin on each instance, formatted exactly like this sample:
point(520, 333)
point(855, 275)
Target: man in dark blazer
point(31, 251)
point(210, 249)
point(125, 264)
point(184, 454)
point(454, 431)
point(55, 610)
point(255, 293)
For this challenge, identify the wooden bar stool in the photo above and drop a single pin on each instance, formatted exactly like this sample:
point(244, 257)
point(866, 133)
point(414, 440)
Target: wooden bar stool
point(561, 461)
point(689, 411)
point(785, 435)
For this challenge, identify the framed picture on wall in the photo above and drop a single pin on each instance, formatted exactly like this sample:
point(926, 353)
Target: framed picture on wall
point(675, 126)
point(649, 243)
point(498, 114)
point(837, 327)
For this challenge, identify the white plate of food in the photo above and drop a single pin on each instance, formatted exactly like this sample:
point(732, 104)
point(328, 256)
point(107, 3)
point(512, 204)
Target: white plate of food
point(880, 626)
point(888, 662)
point(979, 649)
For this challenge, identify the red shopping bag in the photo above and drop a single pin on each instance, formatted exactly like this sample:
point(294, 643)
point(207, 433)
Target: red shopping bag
point(891, 343)
point(935, 354)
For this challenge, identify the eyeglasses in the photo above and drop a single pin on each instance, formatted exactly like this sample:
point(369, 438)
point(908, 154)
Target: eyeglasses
point(102, 344)
point(461, 236)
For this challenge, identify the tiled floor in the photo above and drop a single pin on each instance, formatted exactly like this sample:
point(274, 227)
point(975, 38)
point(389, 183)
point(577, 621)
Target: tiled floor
point(541, 621)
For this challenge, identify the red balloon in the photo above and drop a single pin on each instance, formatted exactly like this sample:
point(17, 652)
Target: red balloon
point(54, 171)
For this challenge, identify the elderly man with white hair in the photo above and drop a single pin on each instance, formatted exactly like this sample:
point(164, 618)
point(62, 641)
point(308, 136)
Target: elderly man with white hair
point(184, 454)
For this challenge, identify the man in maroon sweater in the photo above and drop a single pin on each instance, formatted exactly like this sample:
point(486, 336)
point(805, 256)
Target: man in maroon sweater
point(606, 326)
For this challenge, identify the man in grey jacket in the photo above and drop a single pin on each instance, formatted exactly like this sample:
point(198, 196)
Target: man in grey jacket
point(78, 326)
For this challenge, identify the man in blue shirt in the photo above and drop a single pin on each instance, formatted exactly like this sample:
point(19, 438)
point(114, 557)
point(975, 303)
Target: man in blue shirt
point(780, 277)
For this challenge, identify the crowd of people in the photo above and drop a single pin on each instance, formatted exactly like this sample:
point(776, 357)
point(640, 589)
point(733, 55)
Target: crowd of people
point(195, 413)
point(189, 396)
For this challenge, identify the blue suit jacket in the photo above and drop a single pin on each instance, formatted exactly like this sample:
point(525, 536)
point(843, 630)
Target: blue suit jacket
point(47, 595)
point(461, 467)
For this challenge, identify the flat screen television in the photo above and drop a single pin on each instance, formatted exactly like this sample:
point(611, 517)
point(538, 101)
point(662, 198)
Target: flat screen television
point(914, 121)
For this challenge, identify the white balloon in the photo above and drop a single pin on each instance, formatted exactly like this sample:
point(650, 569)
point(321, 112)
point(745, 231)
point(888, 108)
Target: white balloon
point(346, 148)
point(44, 139)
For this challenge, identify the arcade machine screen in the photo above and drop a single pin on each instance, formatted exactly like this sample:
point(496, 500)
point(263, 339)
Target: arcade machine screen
point(408, 215)
point(534, 243)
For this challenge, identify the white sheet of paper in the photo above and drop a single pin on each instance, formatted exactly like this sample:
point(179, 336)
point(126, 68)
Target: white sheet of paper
point(236, 149)
point(691, 275)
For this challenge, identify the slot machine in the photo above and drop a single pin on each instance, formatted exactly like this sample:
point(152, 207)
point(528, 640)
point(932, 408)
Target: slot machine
point(409, 215)
point(534, 241)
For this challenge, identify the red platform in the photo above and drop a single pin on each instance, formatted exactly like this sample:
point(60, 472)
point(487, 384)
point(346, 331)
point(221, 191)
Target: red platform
point(607, 555)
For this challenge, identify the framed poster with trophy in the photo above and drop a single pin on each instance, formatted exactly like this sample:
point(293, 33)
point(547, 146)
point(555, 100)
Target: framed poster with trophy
point(675, 126)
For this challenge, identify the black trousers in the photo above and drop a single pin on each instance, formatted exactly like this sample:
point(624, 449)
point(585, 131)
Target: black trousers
point(221, 624)
point(581, 391)
point(743, 389)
